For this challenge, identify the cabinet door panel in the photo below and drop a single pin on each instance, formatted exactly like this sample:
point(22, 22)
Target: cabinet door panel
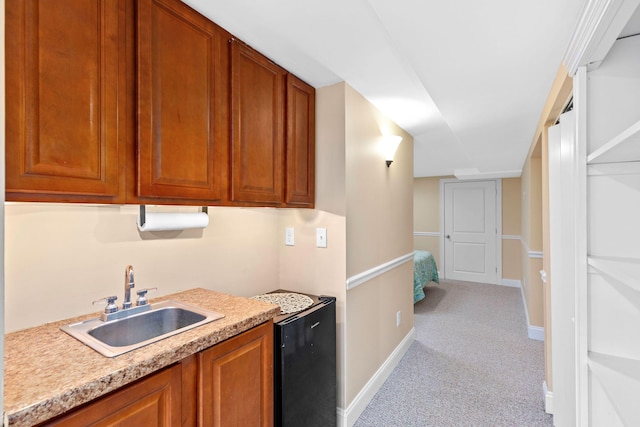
point(182, 110)
point(236, 380)
point(65, 98)
point(300, 154)
point(152, 402)
point(257, 88)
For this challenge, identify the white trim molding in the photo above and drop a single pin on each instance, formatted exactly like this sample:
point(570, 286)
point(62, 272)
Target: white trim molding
point(427, 233)
point(365, 276)
point(530, 253)
point(535, 254)
point(600, 24)
point(543, 276)
point(348, 417)
point(512, 283)
point(548, 398)
point(510, 237)
point(533, 332)
point(475, 174)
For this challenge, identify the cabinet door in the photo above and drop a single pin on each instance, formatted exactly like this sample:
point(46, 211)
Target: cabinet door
point(300, 153)
point(257, 98)
point(65, 100)
point(151, 402)
point(182, 103)
point(236, 380)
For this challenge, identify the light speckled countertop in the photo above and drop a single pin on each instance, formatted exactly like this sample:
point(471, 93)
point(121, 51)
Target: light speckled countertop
point(48, 372)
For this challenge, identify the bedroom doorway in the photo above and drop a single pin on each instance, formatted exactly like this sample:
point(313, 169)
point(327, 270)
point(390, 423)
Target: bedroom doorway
point(471, 217)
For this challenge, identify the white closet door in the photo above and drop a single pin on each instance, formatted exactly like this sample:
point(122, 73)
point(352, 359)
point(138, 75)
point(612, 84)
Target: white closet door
point(563, 285)
point(470, 227)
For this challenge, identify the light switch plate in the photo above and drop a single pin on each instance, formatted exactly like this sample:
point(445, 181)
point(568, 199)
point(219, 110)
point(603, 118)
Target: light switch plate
point(321, 237)
point(289, 236)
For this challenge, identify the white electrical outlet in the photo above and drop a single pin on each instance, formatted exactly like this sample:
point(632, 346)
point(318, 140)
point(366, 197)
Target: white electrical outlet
point(398, 318)
point(321, 237)
point(289, 236)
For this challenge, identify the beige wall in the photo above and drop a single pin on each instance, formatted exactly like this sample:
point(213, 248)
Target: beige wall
point(426, 204)
point(532, 239)
point(330, 149)
point(426, 215)
point(426, 218)
point(319, 271)
point(304, 267)
point(379, 229)
point(371, 324)
point(379, 198)
point(511, 218)
point(60, 257)
point(511, 209)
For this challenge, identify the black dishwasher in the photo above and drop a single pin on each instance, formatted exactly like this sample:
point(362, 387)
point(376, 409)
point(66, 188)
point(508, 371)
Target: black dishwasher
point(305, 366)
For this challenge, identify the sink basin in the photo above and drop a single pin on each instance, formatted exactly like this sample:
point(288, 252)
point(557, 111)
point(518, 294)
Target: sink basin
point(164, 319)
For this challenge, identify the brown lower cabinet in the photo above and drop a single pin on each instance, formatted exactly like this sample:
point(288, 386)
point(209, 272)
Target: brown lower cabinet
point(151, 402)
point(236, 381)
point(229, 384)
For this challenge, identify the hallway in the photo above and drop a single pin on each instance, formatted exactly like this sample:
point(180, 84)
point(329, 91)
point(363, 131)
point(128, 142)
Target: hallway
point(471, 364)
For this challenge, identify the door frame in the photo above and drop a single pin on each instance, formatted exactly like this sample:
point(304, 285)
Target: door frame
point(498, 207)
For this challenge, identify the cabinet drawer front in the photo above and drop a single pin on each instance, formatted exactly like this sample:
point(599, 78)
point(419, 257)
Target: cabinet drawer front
point(182, 115)
point(65, 96)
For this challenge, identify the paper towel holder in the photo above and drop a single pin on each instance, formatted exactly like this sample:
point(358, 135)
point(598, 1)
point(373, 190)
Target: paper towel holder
point(143, 213)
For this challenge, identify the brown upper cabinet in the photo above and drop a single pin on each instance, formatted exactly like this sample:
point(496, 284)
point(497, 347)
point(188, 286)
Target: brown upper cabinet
point(182, 80)
point(116, 101)
point(258, 107)
point(65, 100)
point(300, 152)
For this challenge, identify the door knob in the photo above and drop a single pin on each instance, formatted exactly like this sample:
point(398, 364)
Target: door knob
point(448, 236)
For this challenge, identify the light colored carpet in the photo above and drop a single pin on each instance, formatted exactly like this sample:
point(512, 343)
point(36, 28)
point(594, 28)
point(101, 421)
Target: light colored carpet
point(471, 364)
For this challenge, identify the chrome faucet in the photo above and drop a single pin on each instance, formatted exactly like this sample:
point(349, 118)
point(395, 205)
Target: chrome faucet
point(128, 285)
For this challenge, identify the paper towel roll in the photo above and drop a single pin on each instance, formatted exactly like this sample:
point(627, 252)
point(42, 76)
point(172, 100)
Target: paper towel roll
point(163, 221)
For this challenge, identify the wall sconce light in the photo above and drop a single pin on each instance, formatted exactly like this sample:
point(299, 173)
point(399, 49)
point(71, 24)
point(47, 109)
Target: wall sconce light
point(389, 146)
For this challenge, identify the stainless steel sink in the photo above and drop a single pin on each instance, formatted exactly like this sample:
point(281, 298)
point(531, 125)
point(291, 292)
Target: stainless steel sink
point(164, 319)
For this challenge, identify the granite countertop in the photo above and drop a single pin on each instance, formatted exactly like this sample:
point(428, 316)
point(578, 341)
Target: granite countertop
point(48, 372)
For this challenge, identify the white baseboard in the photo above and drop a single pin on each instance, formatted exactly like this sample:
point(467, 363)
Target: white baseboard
point(548, 398)
point(348, 417)
point(535, 332)
point(511, 283)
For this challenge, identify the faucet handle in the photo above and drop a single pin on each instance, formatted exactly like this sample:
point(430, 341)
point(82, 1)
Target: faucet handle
point(111, 306)
point(142, 296)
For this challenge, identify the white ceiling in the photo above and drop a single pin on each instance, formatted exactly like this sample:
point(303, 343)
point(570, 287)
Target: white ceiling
point(468, 79)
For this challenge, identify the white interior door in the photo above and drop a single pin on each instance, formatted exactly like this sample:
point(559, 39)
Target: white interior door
point(562, 216)
point(470, 231)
